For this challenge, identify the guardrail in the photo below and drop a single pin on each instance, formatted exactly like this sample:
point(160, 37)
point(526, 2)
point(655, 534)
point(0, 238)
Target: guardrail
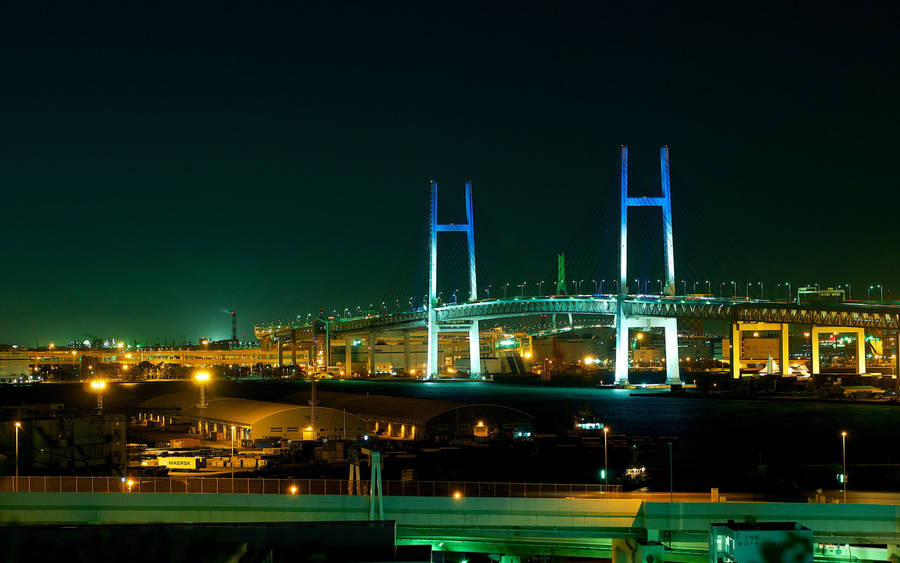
point(266, 486)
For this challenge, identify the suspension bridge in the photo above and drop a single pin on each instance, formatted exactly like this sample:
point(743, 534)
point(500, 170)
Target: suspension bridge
point(625, 310)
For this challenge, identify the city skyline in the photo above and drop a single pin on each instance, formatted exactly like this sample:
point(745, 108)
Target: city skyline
point(159, 169)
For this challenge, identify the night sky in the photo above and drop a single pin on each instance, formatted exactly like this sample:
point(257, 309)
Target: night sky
point(159, 165)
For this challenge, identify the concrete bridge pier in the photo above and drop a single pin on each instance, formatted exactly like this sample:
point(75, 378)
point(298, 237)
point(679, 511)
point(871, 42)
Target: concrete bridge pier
point(407, 364)
point(669, 325)
point(740, 327)
point(370, 344)
point(348, 356)
point(860, 345)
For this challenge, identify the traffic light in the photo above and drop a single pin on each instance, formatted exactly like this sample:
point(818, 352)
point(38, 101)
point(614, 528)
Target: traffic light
point(840, 477)
point(603, 474)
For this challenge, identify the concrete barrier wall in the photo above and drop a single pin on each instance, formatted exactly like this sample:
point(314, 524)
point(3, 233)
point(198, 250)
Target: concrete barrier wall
point(842, 519)
point(420, 512)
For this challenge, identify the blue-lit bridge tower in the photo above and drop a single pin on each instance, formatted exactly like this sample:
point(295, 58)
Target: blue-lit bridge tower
point(431, 319)
point(623, 321)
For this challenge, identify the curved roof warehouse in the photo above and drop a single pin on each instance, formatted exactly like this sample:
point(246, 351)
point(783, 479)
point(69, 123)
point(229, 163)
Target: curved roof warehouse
point(256, 419)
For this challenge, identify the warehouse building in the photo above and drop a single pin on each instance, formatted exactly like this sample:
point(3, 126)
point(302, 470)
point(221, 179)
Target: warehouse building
point(253, 420)
point(410, 418)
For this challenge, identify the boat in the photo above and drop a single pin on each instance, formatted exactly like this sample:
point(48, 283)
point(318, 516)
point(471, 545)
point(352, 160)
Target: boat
point(635, 474)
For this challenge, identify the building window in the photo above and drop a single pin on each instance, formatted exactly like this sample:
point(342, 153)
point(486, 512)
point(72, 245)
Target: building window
point(293, 429)
point(275, 429)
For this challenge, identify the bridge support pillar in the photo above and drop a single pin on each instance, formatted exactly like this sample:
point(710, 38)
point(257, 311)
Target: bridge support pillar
point(669, 325)
point(280, 353)
point(474, 351)
point(673, 371)
point(740, 327)
point(510, 559)
point(860, 345)
point(370, 344)
point(348, 356)
point(431, 319)
point(893, 553)
point(407, 363)
point(293, 348)
point(622, 550)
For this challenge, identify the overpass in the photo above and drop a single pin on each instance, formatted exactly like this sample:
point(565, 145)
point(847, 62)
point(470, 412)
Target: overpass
point(624, 310)
point(626, 527)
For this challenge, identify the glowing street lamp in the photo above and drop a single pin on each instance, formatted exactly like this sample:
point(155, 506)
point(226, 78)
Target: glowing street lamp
point(605, 460)
point(98, 386)
point(233, 428)
point(18, 426)
point(202, 378)
point(844, 455)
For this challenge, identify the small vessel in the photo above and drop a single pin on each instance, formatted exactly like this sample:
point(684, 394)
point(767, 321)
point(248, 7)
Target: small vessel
point(586, 421)
point(636, 473)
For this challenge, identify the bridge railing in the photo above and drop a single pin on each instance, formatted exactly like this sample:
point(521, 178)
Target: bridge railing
point(287, 486)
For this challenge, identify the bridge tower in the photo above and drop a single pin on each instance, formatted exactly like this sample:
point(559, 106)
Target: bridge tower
point(623, 321)
point(431, 320)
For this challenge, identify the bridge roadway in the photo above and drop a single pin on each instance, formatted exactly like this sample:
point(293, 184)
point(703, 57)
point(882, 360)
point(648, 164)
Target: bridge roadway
point(860, 315)
point(591, 525)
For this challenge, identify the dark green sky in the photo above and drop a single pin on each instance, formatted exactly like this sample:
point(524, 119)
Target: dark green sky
point(158, 165)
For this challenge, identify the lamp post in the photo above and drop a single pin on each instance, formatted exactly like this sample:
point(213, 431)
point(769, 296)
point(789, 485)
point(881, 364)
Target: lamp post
point(721, 285)
point(202, 377)
point(18, 426)
point(99, 385)
point(880, 292)
point(684, 287)
point(733, 289)
point(233, 428)
point(605, 460)
point(844, 455)
point(671, 477)
point(600, 291)
point(505, 290)
point(762, 293)
point(660, 287)
point(540, 287)
point(748, 290)
point(595, 287)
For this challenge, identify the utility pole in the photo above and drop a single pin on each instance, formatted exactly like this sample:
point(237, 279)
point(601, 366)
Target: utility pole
point(671, 476)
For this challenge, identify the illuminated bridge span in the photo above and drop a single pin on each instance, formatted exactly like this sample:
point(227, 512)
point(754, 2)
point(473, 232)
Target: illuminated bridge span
point(623, 310)
point(857, 315)
point(625, 527)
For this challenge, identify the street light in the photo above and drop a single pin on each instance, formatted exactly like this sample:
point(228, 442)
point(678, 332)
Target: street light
point(880, 292)
point(762, 293)
point(99, 385)
point(233, 428)
point(733, 289)
point(202, 377)
point(605, 460)
point(18, 427)
point(844, 452)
